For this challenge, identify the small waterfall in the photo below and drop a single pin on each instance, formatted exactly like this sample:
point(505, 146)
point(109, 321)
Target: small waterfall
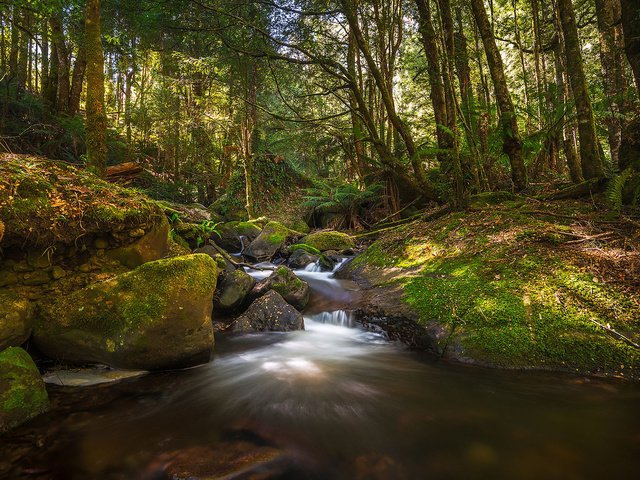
point(338, 317)
point(316, 267)
point(313, 267)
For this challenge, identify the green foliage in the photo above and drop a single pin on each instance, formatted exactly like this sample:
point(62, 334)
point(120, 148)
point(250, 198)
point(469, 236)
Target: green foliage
point(616, 190)
point(346, 200)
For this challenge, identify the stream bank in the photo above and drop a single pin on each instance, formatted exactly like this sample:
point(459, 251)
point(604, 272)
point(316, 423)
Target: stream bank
point(516, 285)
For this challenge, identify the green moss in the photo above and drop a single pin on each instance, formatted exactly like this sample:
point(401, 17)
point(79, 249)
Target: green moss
point(22, 391)
point(509, 297)
point(305, 247)
point(44, 202)
point(324, 241)
point(249, 229)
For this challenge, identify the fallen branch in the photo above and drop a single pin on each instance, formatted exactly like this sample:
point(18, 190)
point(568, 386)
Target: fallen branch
point(228, 258)
point(620, 336)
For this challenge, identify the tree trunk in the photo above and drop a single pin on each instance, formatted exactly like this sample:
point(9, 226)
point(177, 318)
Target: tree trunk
point(511, 143)
point(44, 74)
point(15, 45)
point(631, 26)
point(609, 12)
point(96, 124)
point(64, 85)
point(590, 160)
point(23, 53)
point(77, 79)
point(387, 99)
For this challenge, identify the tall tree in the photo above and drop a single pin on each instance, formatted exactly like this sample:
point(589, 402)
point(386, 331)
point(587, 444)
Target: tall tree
point(96, 124)
point(511, 142)
point(592, 166)
point(609, 14)
point(631, 26)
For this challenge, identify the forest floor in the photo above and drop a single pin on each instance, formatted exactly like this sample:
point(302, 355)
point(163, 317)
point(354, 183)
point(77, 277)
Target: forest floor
point(518, 284)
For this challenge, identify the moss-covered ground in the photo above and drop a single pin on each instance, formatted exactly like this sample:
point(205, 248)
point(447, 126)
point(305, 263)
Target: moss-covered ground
point(522, 284)
point(43, 202)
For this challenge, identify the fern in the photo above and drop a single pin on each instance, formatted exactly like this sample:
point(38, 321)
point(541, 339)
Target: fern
point(616, 188)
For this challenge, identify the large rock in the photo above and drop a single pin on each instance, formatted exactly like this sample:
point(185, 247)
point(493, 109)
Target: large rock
point(231, 232)
point(22, 391)
point(16, 319)
point(269, 242)
point(233, 290)
point(329, 240)
point(154, 245)
point(300, 259)
point(294, 290)
point(269, 313)
point(157, 316)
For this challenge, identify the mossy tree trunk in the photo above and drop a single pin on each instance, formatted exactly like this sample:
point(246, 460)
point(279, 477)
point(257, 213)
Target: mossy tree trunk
point(609, 12)
point(511, 142)
point(96, 124)
point(77, 79)
point(592, 166)
point(631, 26)
point(61, 103)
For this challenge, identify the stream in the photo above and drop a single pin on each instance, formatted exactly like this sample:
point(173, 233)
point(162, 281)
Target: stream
point(332, 402)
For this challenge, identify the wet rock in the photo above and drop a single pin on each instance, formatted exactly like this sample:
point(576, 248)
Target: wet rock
point(294, 290)
point(300, 259)
point(39, 277)
point(157, 316)
point(224, 460)
point(223, 263)
point(152, 246)
point(329, 240)
point(7, 278)
point(38, 259)
point(269, 313)
point(233, 290)
point(85, 377)
point(231, 232)
point(16, 319)
point(269, 242)
point(22, 392)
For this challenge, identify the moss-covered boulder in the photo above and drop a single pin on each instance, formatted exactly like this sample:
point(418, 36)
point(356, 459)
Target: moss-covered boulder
point(269, 313)
point(294, 290)
point(22, 391)
point(329, 240)
point(157, 316)
point(231, 233)
point(234, 288)
point(153, 245)
point(269, 242)
point(16, 319)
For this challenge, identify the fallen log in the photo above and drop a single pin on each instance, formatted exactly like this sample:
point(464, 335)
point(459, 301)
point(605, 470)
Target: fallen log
point(123, 171)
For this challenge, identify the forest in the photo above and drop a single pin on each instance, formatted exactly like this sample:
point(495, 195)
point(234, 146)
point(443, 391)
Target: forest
point(293, 239)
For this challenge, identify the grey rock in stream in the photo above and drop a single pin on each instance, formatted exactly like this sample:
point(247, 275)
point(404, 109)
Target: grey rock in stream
point(269, 313)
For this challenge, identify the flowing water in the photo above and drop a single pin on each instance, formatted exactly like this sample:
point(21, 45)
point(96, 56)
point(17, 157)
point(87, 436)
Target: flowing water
point(332, 402)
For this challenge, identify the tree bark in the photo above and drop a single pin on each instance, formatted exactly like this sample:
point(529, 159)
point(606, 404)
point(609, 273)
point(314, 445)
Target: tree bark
point(77, 79)
point(511, 142)
point(592, 166)
point(609, 12)
point(631, 26)
point(96, 124)
point(64, 84)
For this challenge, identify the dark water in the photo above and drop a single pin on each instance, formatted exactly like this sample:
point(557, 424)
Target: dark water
point(332, 402)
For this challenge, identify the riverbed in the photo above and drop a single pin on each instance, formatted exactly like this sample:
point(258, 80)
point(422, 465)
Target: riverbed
point(332, 402)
